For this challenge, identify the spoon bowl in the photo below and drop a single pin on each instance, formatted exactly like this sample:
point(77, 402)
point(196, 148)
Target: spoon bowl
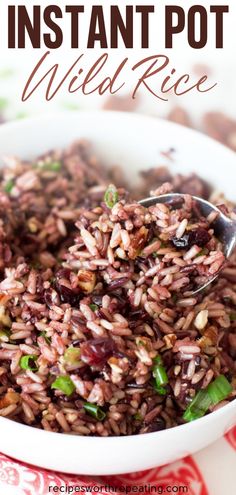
point(224, 227)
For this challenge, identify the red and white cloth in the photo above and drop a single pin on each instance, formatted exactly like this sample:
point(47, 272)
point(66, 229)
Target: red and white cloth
point(209, 472)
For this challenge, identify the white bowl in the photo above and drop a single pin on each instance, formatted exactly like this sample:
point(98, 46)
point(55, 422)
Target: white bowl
point(135, 142)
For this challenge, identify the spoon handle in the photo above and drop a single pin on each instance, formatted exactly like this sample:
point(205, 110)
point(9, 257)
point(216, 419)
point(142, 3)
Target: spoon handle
point(230, 237)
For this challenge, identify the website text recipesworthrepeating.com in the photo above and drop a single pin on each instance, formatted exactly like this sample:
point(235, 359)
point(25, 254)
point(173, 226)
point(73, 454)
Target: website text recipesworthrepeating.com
point(127, 489)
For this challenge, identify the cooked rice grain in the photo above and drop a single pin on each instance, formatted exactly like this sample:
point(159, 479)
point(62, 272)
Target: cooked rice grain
point(96, 294)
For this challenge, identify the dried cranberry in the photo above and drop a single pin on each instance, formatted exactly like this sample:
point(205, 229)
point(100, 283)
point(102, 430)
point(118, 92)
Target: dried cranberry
point(95, 352)
point(182, 242)
point(200, 237)
point(66, 294)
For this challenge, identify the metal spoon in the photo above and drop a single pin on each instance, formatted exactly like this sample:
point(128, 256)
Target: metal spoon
point(224, 227)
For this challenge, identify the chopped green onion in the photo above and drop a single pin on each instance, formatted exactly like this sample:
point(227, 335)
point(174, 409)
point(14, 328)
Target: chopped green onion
point(140, 342)
point(155, 255)
point(94, 411)
point(212, 395)
point(44, 335)
point(175, 298)
point(36, 265)
point(4, 335)
point(158, 360)
point(111, 196)
point(72, 356)
point(53, 166)
point(198, 407)
point(202, 252)
point(93, 307)
point(232, 316)
point(28, 362)
point(9, 186)
point(219, 389)
point(159, 390)
point(65, 384)
point(138, 416)
point(160, 375)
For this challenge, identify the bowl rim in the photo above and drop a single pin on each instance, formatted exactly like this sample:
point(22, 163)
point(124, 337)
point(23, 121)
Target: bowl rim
point(47, 117)
point(185, 427)
point(119, 440)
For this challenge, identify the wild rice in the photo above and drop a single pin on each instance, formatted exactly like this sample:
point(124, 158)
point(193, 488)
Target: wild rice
point(112, 285)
